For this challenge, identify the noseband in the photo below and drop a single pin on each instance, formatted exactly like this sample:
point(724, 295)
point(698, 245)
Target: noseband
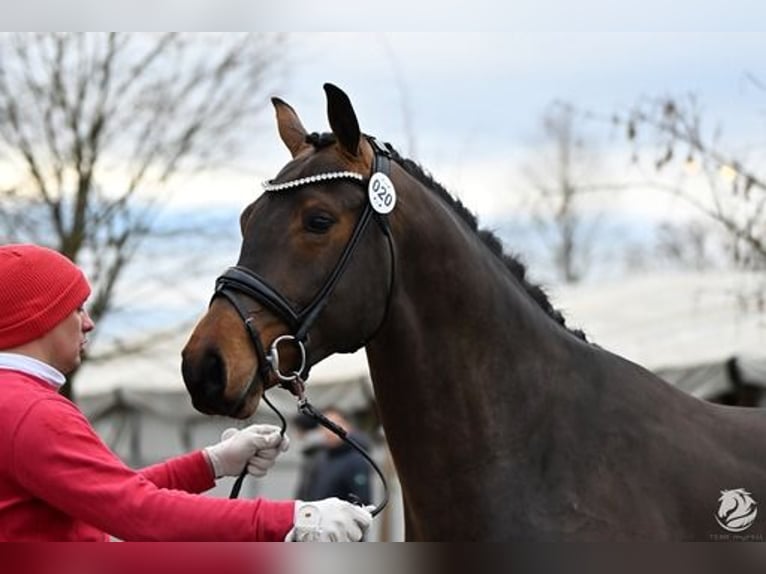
point(240, 280)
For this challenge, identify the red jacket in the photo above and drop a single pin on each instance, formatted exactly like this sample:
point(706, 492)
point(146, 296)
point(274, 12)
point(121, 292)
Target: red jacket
point(59, 481)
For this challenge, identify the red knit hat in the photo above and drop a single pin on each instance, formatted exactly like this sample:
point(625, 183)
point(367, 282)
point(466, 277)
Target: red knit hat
point(39, 288)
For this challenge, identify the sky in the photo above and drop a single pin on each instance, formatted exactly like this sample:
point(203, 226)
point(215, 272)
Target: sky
point(468, 105)
point(464, 103)
point(467, 98)
point(446, 15)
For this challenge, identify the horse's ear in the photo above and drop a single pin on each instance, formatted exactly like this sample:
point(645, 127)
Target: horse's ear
point(342, 119)
point(291, 129)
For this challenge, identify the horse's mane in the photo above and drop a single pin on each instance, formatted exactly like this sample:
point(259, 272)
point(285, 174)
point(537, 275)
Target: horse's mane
point(495, 245)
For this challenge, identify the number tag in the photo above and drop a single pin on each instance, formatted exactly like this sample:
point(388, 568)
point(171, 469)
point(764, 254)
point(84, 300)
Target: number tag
point(381, 193)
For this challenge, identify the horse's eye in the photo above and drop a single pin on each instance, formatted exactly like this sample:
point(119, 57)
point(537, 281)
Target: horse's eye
point(318, 222)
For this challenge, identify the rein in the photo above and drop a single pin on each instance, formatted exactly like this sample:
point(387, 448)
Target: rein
point(240, 280)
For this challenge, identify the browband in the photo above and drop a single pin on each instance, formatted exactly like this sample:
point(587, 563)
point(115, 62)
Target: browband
point(301, 181)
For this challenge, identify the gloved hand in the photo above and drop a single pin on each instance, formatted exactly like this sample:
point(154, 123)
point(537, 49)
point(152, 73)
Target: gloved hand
point(255, 447)
point(329, 520)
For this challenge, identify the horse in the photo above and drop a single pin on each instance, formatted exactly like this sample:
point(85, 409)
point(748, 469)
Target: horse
point(503, 422)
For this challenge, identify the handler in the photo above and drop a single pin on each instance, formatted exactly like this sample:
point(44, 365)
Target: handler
point(59, 481)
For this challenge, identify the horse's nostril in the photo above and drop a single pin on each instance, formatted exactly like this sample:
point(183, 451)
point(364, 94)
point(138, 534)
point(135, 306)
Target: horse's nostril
point(205, 379)
point(212, 371)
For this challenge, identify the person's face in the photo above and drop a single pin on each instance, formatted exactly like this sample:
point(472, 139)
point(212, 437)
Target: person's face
point(66, 342)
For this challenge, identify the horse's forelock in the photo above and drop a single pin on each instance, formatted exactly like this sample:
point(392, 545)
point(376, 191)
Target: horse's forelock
point(321, 140)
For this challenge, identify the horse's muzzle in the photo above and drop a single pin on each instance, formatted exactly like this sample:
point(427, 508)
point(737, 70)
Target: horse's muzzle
point(205, 378)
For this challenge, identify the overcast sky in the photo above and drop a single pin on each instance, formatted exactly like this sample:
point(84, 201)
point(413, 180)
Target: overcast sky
point(444, 15)
point(495, 83)
point(468, 105)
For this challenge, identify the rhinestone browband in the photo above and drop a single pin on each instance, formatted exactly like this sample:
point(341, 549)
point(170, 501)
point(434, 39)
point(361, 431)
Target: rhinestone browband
point(301, 181)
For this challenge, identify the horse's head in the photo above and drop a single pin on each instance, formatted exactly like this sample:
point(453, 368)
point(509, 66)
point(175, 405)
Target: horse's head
point(311, 273)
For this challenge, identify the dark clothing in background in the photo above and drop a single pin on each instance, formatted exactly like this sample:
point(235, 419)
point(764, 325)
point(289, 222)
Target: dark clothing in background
point(339, 471)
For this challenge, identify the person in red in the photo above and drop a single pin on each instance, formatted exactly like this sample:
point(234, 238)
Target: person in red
point(59, 481)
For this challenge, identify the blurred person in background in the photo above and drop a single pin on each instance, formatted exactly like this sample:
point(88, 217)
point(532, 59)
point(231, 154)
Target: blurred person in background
point(332, 467)
point(59, 481)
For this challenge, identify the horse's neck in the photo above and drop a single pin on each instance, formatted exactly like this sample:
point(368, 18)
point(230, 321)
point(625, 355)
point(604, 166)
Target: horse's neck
point(462, 334)
point(462, 367)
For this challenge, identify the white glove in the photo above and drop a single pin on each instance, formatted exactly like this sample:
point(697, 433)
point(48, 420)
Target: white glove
point(255, 447)
point(329, 520)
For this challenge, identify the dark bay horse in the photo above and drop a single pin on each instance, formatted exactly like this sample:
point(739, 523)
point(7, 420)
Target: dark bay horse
point(502, 422)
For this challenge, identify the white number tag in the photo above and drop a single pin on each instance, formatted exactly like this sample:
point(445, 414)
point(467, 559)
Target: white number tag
point(381, 193)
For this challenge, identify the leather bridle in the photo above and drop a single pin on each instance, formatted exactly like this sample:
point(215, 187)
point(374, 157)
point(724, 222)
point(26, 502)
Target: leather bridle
point(239, 280)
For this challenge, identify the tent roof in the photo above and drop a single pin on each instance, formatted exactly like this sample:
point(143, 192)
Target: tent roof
point(151, 382)
point(684, 326)
point(673, 320)
point(160, 369)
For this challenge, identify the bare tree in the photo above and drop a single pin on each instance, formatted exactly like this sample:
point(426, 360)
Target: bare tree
point(561, 178)
point(94, 126)
point(728, 186)
point(689, 245)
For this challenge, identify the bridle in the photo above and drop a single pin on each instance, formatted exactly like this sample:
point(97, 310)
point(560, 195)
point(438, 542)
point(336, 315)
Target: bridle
point(240, 280)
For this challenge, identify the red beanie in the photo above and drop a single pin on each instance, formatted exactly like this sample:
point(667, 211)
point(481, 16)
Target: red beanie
point(39, 288)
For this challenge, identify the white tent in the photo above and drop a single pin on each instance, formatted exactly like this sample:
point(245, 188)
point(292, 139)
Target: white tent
point(152, 382)
point(690, 328)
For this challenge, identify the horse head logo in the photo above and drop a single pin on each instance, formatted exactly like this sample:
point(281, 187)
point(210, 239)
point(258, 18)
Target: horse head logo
point(737, 511)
